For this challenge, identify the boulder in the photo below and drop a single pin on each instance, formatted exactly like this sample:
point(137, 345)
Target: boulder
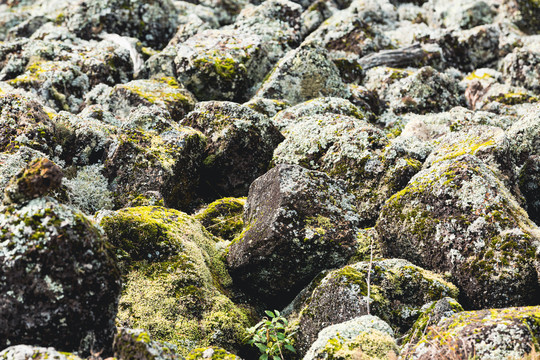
point(397, 291)
point(223, 217)
point(211, 353)
point(529, 184)
point(488, 334)
point(137, 344)
point(458, 217)
point(521, 66)
point(28, 352)
point(297, 223)
point(240, 146)
point(59, 281)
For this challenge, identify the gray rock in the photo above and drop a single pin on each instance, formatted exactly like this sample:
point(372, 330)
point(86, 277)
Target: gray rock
point(28, 352)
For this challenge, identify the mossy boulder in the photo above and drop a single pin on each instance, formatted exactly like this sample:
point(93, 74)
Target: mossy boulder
point(137, 344)
point(60, 84)
point(165, 166)
point(174, 279)
point(13, 163)
point(28, 352)
point(458, 217)
point(398, 290)
point(211, 353)
point(165, 93)
point(45, 299)
point(152, 22)
point(365, 337)
point(222, 64)
point(352, 150)
point(302, 74)
point(529, 184)
point(24, 122)
point(297, 223)
point(521, 66)
point(223, 217)
point(240, 146)
point(509, 333)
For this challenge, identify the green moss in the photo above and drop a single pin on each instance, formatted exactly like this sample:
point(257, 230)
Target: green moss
point(217, 354)
point(223, 217)
point(514, 98)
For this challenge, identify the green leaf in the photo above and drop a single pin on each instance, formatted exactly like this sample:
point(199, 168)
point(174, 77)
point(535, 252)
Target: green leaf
point(261, 347)
point(269, 313)
point(277, 313)
point(276, 357)
point(263, 357)
point(290, 348)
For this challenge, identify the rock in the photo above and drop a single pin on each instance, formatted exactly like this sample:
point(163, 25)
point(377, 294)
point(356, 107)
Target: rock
point(222, 64)
point(211, 353)
point(297, 223)
point(140, 163)
point(431, 314)
point(364, 336)
point(352, 150)
point(46, 300)
point(174, 276)
point(457, 216)
point(489, 334)
point(267, 107)
point(223, 217)
point(153, 22)
point(12, 164)
point(521, 66)
point(461, 14)
point(136, 344)
point(88, 190)
point(529, 184)
point(240, 146)
point(317, 106)
point(303, 74)
point(27, 352)
point(398, 290)
point(23, 122)
point(524, 14)
point(165, 93)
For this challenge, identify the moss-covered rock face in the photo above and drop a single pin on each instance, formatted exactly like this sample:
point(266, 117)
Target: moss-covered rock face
point(164, 166)
point(521, 66)
point(398, 290)
point(498, 334)
point(457, 217)
point(352, 150)
point(165, 93)
point(222, 65)
point(303, 74)
point(173, 276)
point(318, 106)
point(431, 314)
point(61, 84)
point(297, 223)
point(223, 217)
point(138, 345)
point(26, 352)
point(24, 122)
point(240, 146)
point(44, 298)
point(213, 353)
point(151, 21)
point(12, 164)
point(365, 337)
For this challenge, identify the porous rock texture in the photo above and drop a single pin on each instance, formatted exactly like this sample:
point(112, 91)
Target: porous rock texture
point(238, 152)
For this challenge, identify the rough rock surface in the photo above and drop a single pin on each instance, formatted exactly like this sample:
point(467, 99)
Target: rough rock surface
point(297, 223)
point(26, 352)
point(136, 344)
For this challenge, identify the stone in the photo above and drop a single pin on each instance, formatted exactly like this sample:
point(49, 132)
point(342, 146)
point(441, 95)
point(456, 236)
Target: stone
point(223, 217)
point(28, 352)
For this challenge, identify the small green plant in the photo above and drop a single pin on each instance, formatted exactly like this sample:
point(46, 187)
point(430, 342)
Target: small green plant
point(272, 336)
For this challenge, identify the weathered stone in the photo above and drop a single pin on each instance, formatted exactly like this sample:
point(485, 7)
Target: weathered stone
point(27, 352)
point(529, 184)
point(223, 217)
point(522, 66)
point(211, 353)
point(297, 223)
point(136, 344)
point(240, 146)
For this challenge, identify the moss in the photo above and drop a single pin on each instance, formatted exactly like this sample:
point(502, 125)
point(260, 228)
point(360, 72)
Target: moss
point(223, 217)
point(514, 98)
point(217, 354)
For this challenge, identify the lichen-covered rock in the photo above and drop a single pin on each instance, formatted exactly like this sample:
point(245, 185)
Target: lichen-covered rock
point(488, 334)
point(164, 92)
point(431, 314)
point(398, 290)
point(318, 106)
point(173, 276)
point(222, 65)
point(59, 281)
point(136, 344)
point(152, 22)
point(23, 122)
point(457, 216)
point(521, 67)
point(223, 217)
point(364, 337)
point(142, 162)
point(13, 163)
point(27, 352)
point(529, 184)
point(211, 353)
point(267, 107)
point(240, 146)
point(61, 84)
point(524, 13)
point(297, 223)
point(351, 150)
point(460, 14)
point(303, 74)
